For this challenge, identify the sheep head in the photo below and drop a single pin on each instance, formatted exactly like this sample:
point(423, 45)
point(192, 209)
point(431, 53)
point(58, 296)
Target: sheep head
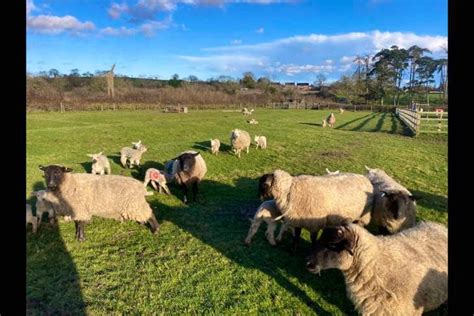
point(334, 249)
point(400, 210)
point(187, 161)
point(54, 175)
point(265, 186)
point(94, 157)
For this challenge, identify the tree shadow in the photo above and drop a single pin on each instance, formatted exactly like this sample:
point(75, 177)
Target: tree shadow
point(379, 125)
point(222, 223)
point(52, 279)
point(354, 120)
point(428, 200)
point(365, 122)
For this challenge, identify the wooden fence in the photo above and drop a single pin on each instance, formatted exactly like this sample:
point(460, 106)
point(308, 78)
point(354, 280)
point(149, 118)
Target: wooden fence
point(424, 122)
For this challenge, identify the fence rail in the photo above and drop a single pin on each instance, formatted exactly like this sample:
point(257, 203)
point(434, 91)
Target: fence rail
point(424, 122)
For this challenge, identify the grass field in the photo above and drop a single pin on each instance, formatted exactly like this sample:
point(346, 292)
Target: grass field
point(197, 264)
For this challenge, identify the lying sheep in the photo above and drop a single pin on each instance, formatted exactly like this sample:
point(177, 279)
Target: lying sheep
point(215, 145)
point(394, 206)
point(137, 144)
point(239, 140)
point(324, 123)
point(331, 120)
point(260, 141)
point(83, 195)
point(267, 212)
point(252, 122)
point(401, 274)
point(43, 206)
point(156, 177)
point(188, 170)
point(33, 220)
point(131, 155)
point(100, 164)
point(314, 202)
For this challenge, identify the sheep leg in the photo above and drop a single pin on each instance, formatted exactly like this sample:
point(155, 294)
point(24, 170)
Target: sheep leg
point(253, 230)
point(248, 149)
point(314, 237)
point(271, 226)
point(165, 188)
point(39, 216)
point(283, 229)
point(185, 192)
point(195, 191)
point(123, 161)
point(80, 225)
point(34, 222)
point(296, 239)
point(153, 184)
point(155, 227)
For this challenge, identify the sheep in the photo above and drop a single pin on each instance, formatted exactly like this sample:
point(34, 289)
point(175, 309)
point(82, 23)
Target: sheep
point(100, 164)
point(331, 172)
point(188, 170)
point(83, 195)
point(156, 176)
point(33, 220)
point(43, 206)
point(324, 123)
point(313, 202)
point(246, 112)
point(341, 110)
point(239, 140)
point(267, 212)
point(137, 144)
point(401, 274)
point(394, 206)
point(260, 141)
point(252, 122)
point(132, 155)
point(331, 120)
point(215, 145)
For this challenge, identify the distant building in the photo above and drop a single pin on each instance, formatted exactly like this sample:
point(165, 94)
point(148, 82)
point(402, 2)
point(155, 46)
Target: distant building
point(303, 86)
point(289, 84)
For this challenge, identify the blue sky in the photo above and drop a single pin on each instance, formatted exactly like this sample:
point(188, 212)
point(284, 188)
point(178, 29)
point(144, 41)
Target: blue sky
point(283, 40)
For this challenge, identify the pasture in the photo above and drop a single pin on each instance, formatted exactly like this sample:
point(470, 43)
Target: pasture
point(197, 264)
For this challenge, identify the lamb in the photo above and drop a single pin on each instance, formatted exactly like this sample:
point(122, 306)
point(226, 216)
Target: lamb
point(137, 144)
point(246, 112)
point(239, 140)
point(324, 123)
point(100, 164)
point(252, 122)
point(43, 206)
point(156, 176)
point(401, 274)
point(331, 120)
point(394, 206)
point(83, 195)
point(188, 170)
point(341, 110)
point(267, 212)
point(132, 155)
point(260, 141)
point(33, 220)
point(215, 145)
point(313, 202)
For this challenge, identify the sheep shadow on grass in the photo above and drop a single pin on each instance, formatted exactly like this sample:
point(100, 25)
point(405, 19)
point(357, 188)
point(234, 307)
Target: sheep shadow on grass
point(428, 200)
point(52, 279)
point(222, 223)
point(206, 146)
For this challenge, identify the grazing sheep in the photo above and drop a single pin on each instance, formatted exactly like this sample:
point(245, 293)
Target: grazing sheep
point(100, 164)
point(341, 110)
point(324, 123)
point(137, 144)
point(215, 145)
point(394, 206)
point(252, 122)
point(314, 202)
point(43, 206)
point(83, 195)
point(188, 170)
point(331, 120)
point(132, 155)
point(239, 140)
point(401, 274)
point(260, 141)
point(33, 220)
point(267, 212)
point(332, 172)
point(156, 176)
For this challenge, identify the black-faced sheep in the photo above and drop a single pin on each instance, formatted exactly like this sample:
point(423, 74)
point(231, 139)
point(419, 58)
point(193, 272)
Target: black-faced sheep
point(83, 195)
point(188, 170)
point(401, 274)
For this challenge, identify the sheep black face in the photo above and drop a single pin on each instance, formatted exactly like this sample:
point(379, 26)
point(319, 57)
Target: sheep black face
point(401, 211)
point(265, 186)
point(187, 161)
point(54, 175)
point(334, 249)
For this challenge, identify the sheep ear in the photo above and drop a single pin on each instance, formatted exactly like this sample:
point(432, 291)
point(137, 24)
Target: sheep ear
point(196, 154)
point(66, 169)
point(41, 167)
point(90, 155)
point(99, 154)
point(368, 169)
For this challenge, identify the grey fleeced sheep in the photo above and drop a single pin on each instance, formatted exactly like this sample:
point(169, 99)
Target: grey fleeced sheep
point(131, 155)
point(331, 120)
point(260, 141)
point(239, 140)
point(43, 206)
point(314, 202)
point(156, 177)
point(394, 206)
point(401, 274)
point(100, 164)
point(188, 170)
point(215, 145)
point(83, 195)
point(267, 212)
point(33, 220)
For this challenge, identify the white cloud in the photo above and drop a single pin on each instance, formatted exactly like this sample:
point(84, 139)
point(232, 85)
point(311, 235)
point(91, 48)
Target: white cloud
point(329, 61)
point(293, 69)
point(150, 28)
point(116, 10)
point(260, 30)
point(405, 40)
point(236, 42)
point(50, 24)
point(30, 6)
point(122, 31)
point(226, 63)
point(347, 59)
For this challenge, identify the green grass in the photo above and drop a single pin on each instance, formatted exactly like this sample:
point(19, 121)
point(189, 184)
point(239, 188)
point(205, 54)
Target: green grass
point(197, 263)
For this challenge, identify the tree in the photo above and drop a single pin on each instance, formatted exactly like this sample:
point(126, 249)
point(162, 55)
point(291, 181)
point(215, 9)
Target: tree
point(426, 68)
point(320, 81)
point(54, 73)
point(248, 81)
point(193, 78)
point(87, 75)
point(414, 53)
point(174, 81)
